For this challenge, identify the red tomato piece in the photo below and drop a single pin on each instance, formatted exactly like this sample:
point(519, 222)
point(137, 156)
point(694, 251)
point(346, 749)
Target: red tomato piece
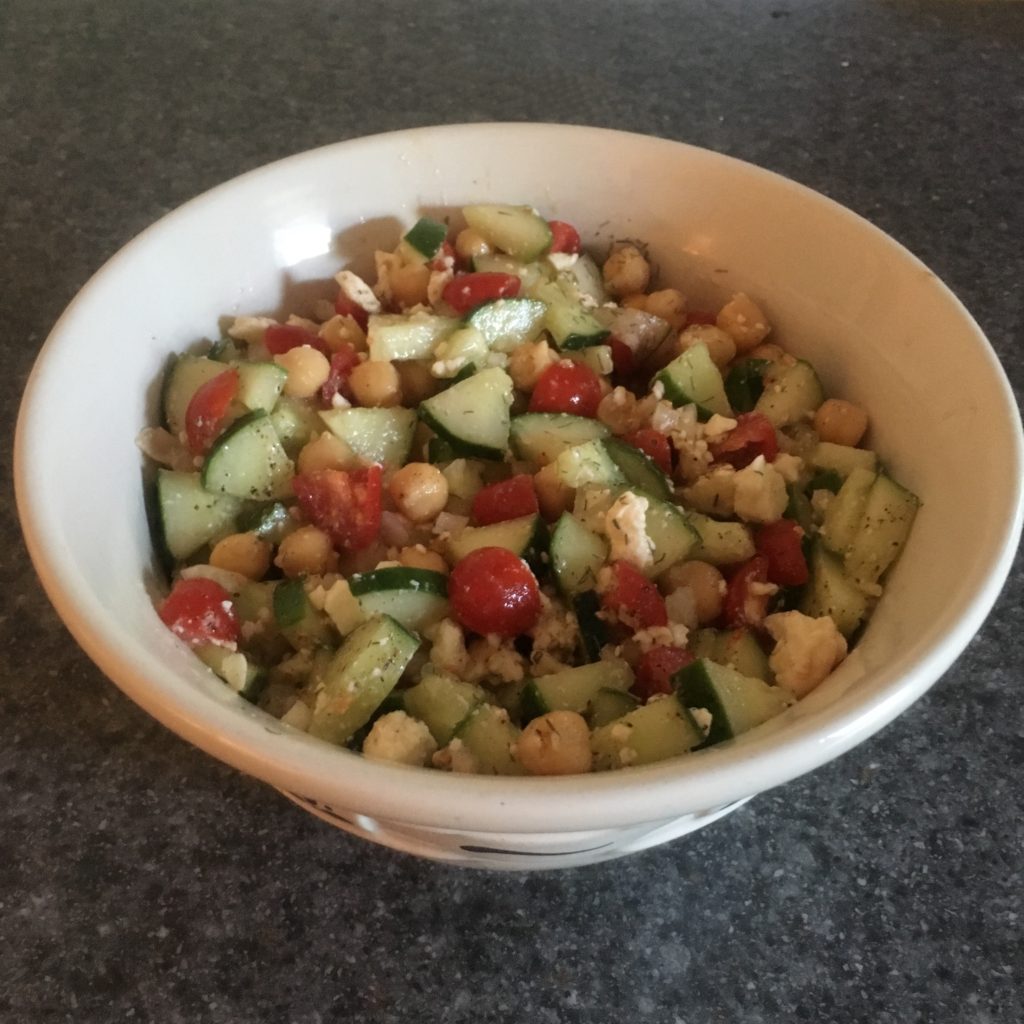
point(344, 306)
point(566, 386)
point(622, 357)
point(343, 362)
point(781, 543)
point(655, 669)
point(752, 436)
point(492, 590)
point(441, 257)
point(284, 337)
point(508, 499)
point(634, 598)
point(346, 506)
point(467, 291)
point(200, 612)
point(654, 445)
point(744, 605)
point(700, 316)
point(564, 237)
point(204, 416)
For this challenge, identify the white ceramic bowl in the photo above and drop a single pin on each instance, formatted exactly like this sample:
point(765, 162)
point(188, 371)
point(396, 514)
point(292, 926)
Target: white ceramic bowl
point(880, 328)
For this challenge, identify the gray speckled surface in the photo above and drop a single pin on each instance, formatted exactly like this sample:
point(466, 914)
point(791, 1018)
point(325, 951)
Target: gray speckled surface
point(140, 880)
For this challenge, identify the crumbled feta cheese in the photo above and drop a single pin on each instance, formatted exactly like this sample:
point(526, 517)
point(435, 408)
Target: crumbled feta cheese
point(343, 609)
point(717, 426)
point(714, 493)
point(339, 401)
point(494, 659)
point(686, 433)
point(790, 466)
point(806, 649)
point(448, 653)
point(456, 757)
point(385, 263)
point(250, 329)
point(304, 322)
point(298, 716)
point(356, 290)
point(437, 283)
point(562, 260)
point(399, 737)
point(760, 495)
point(234, 669)
point(626, 527)
point(703, 719)
point(675, 634)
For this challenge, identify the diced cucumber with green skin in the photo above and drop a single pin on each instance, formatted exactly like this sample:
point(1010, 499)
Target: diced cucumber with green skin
point(588, 463)
point(844, 512)
point(189, 515)
point(473, 415)
point(524, 537)
point(639, 469)
point(182, 379)
point(799, 508)
point(585, 279)
point(595, 357)
point(442, 703)
point(831, 591)
point(791, 393)
point(254, 604)
point(507, 323)
point(517, 230)
point(736, 648)
point(440, 451)
point(720, 543)
point(457, 356)
point(272, 522)
point(672, 536)
point(569, 324)
point(693, 378)
point(593, 630)
point(426, 237)
point(490, 736)
point(541, 437)
point(841, 458)
point(531, 274)
point(607, 706)
point(416, 598)
point(393, 337)
point(296, 618)
point(642, 333)
point(295, 423)
point(574, 688)
point(592, 503)
point(374, 435)
point(885, 523)
point(661, 729)
point(825, 480)
point(576, 555)
point(359, 676)
point(260, 385)
point(744, 384)
point(737, 703)
point(226, 350)
point(255, 676)
point(248, 461)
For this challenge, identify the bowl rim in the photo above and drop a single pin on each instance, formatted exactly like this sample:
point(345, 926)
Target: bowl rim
point(308, 767)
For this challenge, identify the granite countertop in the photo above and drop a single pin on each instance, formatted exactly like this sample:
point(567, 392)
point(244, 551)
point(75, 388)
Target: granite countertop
point(141, 880)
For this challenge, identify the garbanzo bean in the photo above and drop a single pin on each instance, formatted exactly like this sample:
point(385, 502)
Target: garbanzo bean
point(557, 743)
point(416, 556)
point(376, 383)
point(553, 496)
point(626, 271)
point(705, 582)
point(419, 490)
point(721, 347)
point(306, 552)
point(243, 553)
point(326, 452)
point(840, 422)
point(470, 243)
point(742, 318)
point(669, 304)
point(307, 371)
point(409, 284)
point(528, 361)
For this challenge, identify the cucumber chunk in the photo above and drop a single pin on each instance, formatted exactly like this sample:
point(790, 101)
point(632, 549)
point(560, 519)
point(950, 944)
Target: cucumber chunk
point(583, 278)
point(393, 337)
point(664, 728)
point(189, 515)
point(720, 543)
point(607, 705)
point(790, 393)
point(182, 379)
point(359, 676)
point(737, 703)
point(426, 237)
point(271, 522)
point(416, 598)
point(442, 703)
point(260, 384)
point(250, 686)
point(639, 469)
point(593, 630)
point(831, 591)
point(294, 422)
point(473, 415)
point(541, 437)
point(248, 461)
point(508, 323)
point(302, 625)
point(576, 555)
point(569, 324)
point(523, 536)
point(374, 435)
point(489, 735)
point(884, 526)
point(588, 463)
point(517, 230)
point(842, 459)
point(744, 384)
point(531, 274)
point(574, 688)
point(843, 515)
point(693, 377)
point(736, 648)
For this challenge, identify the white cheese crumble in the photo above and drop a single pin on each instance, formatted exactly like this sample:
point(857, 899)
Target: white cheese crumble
point(250, 329)
point(790, 466)
point(562, 260)
point(399, 737)
point(760, 495)
point(718, 426)
point(343, 609)
point(356, 290)
point(806, 649)
point(625, 524)
point(675, 634)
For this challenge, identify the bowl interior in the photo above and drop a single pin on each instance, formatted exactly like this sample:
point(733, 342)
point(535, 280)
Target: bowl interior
point(878, 326)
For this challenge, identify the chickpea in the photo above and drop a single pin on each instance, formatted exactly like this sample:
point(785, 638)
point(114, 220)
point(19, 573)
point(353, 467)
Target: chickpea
point(419, 491)
point(416, 556)
point(339, 331)
point(553, 496)
point(557, 743)
point(626, 271)
point(669, 304)
point(243, 553)
point(415, 381)
point(326, 451)
point(409, 284)
point(840, 422)
point(306, 552)
point(307, 371)
point(742, 318)
point(705, 582)
point(637, 301)
point(767, 350)
point(721, 347)
point(376, 383)
point(528, 361)
point(470, 243)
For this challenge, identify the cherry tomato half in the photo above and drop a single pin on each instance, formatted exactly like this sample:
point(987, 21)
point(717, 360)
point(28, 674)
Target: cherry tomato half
point(204, 416)
point(492, 590)
point(752, 436)
point(566, 386)
point(634, 598)
point(200, 612)
point(346, 506)
point(344, 306)
point(343, 362)
point(622, 357)
point(655, 669)
point(743, 604)
point(564, 237)
point(508, 499)
point(284, 337)
point(781, 543)
point(467, 291)
point(654, 445)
